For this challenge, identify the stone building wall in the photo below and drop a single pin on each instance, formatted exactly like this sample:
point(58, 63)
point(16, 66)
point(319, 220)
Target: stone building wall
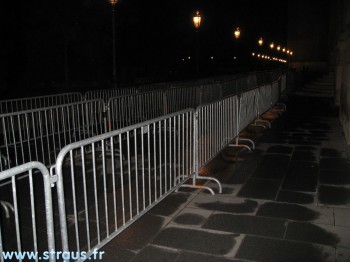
point(340, 59)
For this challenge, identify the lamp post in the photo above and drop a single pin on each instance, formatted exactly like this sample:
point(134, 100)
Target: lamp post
point(197, 19)
point(113, 4)
point(237, 34)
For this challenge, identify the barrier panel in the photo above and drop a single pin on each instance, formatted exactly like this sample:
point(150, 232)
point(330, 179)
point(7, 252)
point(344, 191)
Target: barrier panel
point(26, 222)
point(229, 87)
point(216, 128)
point(106, 94)
point(129, 110)
point(210, 93)
point(41, 133)
point(264, 103)
point(283, 83)
point(29, 103)
point(247, 108)
point(275, 92)
point(107, 182)
point(181, 98)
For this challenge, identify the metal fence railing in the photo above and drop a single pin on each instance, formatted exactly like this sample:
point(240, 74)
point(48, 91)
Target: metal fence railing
point(104, 180)
point(27, 219)
point(129, 110)
point(39, 134)
point(106, 94)
point(29, 103)
point(111, 180)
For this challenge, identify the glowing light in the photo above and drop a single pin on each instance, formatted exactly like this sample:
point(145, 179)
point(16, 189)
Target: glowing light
point(253, 54)
point(272, 45)
point(283, 50)
point(197, 19)
point(237, 33)
point(212, 58)
point(113, 2)
point(260, 41)
point(278, 48)
point(189, 58)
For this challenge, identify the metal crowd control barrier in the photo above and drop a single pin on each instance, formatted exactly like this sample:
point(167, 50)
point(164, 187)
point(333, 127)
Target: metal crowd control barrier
point(132, 109)
point(29, 103)
point(182, 97)
point(210, 93)
point(27, 220)
point(102, 192)
point(106, 94)
point(41, 133)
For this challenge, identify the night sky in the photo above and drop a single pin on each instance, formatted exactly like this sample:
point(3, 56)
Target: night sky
point(152, 38)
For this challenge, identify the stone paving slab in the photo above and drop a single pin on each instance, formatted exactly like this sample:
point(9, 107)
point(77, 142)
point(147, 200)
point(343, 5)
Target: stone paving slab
point(275, 250)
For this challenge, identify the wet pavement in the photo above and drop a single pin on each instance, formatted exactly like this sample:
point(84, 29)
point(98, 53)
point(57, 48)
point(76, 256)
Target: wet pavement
point(287, 200)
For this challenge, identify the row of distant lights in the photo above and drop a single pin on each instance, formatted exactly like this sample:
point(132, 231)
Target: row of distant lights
point(278, 47)
point(266, 57)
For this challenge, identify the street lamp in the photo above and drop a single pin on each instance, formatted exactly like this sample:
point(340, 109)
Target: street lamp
point(278, 48)
point(272, 45)
point(260, 41)
point(113, 4)
point(197, 19)
point(237, 33)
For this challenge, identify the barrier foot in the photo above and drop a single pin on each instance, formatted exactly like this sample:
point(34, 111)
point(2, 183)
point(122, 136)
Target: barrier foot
point(258, 125)
point(248, 140)
point(198, 187)
point(194, 185)
point(240, 145)
point(263, 121)
point(284, 106)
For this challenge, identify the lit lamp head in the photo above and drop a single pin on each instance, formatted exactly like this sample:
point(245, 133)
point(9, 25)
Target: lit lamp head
point(113, 2)
point(290, 52)
point(272, 45)
point(278, 48)
point(237, 33)
point(260, 41)
point(197, 20)
point(283, 50)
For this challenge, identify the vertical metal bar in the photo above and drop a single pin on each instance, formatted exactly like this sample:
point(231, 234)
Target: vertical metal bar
point(105, 185)
point(86, 206)
point(155, 161)
point(165, 157)
point(149, 164)
point(136, 173)
point(160, 158)
point(143, 168)
point(95, 193)
point(174, 148)
point(122, 176)
point(113, 184)
point(129, 174)
point(32, 209)
point(76, 225)
point(15, 205)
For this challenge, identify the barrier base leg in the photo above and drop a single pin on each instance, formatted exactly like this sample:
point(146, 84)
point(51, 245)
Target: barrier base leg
point(194, 185)
point(282, 105)
point(259, 120)
point(237, 144)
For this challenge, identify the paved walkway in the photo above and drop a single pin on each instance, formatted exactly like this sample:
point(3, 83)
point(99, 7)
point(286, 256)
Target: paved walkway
point(289, 200)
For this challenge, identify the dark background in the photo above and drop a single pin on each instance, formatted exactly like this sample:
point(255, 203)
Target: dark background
point(55, 46)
